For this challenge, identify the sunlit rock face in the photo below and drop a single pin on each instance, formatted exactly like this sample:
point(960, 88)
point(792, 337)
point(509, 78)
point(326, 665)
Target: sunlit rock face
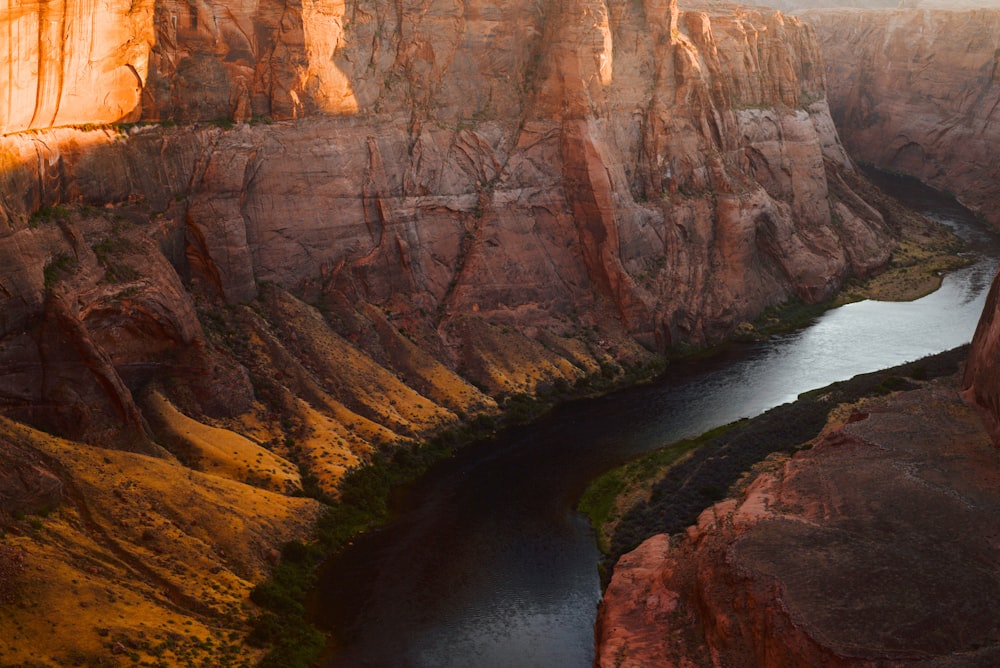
point(805, 5)
point(916, 92)
point(64, 62)
point(520, 161)
point(513, 196)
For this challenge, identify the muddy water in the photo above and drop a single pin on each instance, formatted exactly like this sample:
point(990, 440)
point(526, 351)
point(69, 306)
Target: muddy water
point(489, 565)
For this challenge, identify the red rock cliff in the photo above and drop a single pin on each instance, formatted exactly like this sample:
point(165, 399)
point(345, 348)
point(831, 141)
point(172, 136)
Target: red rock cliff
point(656, 175)
point(915, 91)
point(874, 548)
point(981, 384)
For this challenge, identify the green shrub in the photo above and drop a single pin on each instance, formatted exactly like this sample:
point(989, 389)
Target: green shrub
point(58, 268)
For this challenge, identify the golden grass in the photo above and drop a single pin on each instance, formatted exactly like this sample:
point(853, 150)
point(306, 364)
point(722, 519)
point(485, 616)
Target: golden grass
point(223, 452)
point(506, 361)
point(915, 270)
point(145, 558)
point(353, 377)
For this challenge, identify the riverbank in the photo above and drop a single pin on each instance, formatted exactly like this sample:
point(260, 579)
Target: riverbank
point(666, 490)
point(926, 251)
point(864, 544)
point(284, 628)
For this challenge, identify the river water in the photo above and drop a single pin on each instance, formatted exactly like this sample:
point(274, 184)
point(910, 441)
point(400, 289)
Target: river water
point(488, 564)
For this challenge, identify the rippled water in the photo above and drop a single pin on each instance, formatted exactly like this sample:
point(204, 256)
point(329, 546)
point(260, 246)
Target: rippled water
point(489, 565)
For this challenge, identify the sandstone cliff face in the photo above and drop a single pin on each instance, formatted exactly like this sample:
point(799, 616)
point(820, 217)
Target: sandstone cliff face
point(520, 215)
point(916, 92)
point(65, 63)
point(805, 5)
point(835, 559)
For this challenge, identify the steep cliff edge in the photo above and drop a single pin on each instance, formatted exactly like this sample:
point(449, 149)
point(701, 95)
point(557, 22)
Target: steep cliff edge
point(430, 210)
point(915, 91)
point(980, 385)
point(874, 547)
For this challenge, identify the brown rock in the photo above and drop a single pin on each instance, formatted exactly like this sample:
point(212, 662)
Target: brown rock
point(876, 547)
point(27, 484)
point(981, 386)
point(598, 186)
point(578, 173)
point(914, 91)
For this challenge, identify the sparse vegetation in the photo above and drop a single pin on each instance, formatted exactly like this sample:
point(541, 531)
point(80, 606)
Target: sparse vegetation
point(108, 253)
point(58, 268)
point(602, 501)
point(47, 214)
point(364, 505)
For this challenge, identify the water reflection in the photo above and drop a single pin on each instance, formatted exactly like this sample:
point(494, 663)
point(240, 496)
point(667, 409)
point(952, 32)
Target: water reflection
point(490, 566)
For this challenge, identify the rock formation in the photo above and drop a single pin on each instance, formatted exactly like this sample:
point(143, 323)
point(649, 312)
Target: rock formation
point(657, 187)
point(875, 547)
point(916, 92)
point(66, 63)
point(980, 386)
point(805, 5)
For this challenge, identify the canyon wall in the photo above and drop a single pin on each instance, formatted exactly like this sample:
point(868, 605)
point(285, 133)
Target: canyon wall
point(916, 92)
point(249, 246)
point(805, 5)
point(494, 190)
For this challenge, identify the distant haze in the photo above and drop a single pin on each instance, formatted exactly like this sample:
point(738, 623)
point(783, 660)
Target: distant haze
point(801, 5)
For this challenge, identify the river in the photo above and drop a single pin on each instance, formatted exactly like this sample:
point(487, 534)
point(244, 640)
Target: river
point(488, 564)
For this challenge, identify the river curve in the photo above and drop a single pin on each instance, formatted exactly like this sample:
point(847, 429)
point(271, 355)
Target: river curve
point(489, 565)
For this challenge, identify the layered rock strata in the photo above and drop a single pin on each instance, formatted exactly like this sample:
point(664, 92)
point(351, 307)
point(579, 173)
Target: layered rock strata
point(660, 186)
point(875, 547)
point(915, 91)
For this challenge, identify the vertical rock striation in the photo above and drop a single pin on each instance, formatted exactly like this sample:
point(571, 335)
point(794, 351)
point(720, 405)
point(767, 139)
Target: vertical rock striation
point(69, 62)
point(915, 91)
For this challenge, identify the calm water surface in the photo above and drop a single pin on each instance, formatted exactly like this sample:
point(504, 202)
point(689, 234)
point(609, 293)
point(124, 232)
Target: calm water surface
point(489, 565)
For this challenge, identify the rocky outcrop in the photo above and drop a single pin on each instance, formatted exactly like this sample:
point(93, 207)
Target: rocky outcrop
point(916, 92)
point(27, 485)
point(980, 386)
point(805, 5)
point(875, 547)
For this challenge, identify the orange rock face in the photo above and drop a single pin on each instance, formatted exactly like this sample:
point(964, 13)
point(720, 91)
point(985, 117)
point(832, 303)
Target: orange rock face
point(916, 92)
point(64, 62)
point(876, 547)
